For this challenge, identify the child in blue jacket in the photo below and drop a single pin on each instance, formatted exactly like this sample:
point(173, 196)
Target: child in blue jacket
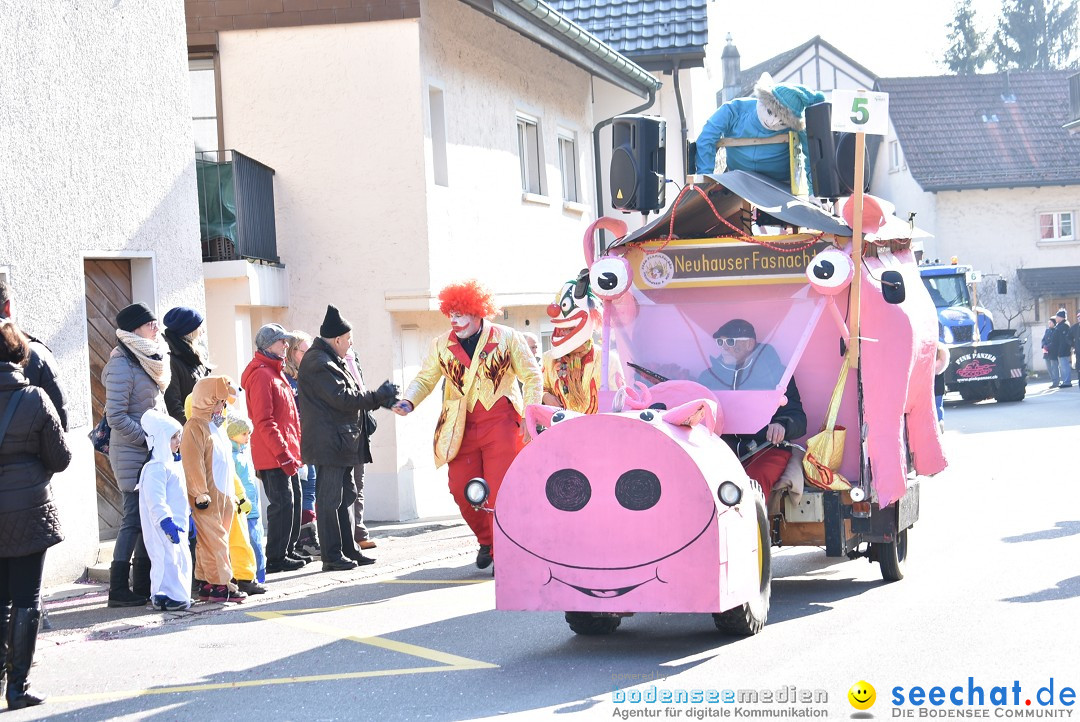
point(239, 431)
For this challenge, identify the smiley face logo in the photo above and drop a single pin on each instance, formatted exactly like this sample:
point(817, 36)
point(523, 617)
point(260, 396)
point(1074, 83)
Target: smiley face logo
point(862, 695)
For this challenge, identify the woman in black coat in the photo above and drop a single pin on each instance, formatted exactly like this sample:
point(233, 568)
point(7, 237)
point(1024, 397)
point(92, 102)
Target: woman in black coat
point(32, 449)
point(184, 332)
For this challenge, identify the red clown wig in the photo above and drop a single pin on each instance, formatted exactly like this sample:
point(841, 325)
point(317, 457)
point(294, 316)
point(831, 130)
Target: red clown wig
point(468, 297)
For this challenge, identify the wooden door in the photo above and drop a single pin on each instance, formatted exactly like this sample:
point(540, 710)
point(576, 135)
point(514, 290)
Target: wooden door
point(1069, 304)
point(108, 289)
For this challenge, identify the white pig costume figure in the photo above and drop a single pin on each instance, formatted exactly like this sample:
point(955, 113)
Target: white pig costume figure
point(164, 510)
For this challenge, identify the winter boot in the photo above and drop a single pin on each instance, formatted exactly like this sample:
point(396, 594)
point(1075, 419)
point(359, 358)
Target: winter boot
point(120, 595)
point(140, 576)
point(308, 543)
point(22, 639)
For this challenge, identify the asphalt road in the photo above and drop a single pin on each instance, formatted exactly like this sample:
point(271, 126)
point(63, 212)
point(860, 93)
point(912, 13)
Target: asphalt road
point(990, 594)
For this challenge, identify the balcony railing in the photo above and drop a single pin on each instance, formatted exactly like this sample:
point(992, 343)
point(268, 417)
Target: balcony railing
point(236, 207)
point(1074, 103)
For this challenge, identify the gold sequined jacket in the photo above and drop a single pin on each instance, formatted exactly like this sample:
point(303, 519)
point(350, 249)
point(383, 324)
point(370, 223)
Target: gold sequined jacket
point(502, 359)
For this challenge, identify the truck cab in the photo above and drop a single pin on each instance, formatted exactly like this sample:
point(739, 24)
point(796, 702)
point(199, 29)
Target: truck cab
point(984, 362)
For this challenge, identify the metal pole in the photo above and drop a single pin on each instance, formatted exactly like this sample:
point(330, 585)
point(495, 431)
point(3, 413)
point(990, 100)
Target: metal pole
point(856, 249)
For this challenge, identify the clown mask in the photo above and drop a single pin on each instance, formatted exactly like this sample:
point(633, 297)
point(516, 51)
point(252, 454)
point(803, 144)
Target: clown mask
point(573, 317)
point(463, 324)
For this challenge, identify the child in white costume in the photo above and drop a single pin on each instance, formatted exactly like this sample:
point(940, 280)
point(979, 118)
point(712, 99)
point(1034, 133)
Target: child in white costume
point(163, 511)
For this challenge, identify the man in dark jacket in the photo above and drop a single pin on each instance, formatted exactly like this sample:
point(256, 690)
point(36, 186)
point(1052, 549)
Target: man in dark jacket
point(333, 411)
point(746, 364)
point(275, 446)
point(1061, 343)
point(1076, 344)
point(1051, 362)
point(187, 357)
point(40, 369)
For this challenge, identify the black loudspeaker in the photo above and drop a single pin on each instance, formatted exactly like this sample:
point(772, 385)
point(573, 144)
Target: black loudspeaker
point(832, 155)
point(638, 162)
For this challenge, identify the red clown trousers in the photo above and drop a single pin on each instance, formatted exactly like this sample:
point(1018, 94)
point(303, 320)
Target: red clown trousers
point(492, 439)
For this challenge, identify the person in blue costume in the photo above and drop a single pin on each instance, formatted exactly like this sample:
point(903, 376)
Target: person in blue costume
point(775, 109)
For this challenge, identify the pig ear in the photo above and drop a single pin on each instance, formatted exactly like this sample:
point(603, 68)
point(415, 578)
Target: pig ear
point(632, 398)
point(539, 415)
point(692, 413)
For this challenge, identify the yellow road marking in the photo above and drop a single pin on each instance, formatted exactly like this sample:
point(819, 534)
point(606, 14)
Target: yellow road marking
point(447, 662)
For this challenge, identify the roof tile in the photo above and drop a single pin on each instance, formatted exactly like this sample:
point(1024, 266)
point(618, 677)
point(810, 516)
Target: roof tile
point(675, 27)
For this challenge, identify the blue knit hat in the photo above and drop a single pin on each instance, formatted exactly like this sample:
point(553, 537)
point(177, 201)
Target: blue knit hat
point(183, 320)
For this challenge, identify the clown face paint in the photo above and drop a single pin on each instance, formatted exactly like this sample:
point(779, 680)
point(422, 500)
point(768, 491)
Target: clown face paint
point(574, 322)
point(463, 324)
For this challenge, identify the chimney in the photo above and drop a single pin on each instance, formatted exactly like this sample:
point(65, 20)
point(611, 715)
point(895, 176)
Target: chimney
point(732, 67)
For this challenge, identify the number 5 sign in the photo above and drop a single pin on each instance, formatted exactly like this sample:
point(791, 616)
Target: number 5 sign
point(860, 111)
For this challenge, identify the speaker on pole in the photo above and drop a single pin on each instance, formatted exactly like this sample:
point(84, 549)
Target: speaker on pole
point(832, 155)
point(638, 162)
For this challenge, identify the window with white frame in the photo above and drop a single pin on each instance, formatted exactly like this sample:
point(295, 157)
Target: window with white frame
point(568, 165)
point(895, 157)
point(1057, 226)
point(204, 111)
point(530, 154)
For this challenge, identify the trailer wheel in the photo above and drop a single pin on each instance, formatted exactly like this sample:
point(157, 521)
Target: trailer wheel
point(749, 618)
point(591, 624)
point(1011, 390)
point(892, 557)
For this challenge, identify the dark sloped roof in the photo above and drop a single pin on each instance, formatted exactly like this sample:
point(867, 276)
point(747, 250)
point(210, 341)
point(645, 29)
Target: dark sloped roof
point(643, 29)
point(776, 63)
point(985, 131)
point(1064, 280)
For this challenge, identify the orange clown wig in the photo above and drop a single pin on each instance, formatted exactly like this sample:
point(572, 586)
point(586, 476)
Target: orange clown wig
point(468, 297)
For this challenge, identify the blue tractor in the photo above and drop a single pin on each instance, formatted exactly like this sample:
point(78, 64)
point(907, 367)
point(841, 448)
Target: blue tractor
point(984, 362)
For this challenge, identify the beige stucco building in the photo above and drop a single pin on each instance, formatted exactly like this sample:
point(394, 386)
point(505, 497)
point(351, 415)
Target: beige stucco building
point(97, 186)
point(449, 142)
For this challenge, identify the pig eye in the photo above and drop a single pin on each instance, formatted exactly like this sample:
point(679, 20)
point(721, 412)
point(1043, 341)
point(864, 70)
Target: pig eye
point(830, 271)
point(610, 277)
point(568, 490)
point(558, 416)
point(646, 415)
point(637, 490)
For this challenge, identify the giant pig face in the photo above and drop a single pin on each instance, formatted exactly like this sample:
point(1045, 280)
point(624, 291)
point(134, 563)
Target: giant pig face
point(613, 511)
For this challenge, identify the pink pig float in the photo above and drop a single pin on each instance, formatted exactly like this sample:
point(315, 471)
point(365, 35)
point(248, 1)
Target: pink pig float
point(569, 528)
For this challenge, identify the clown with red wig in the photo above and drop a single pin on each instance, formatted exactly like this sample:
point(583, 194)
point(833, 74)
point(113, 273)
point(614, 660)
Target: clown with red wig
point(479, 429)
point(572, 367)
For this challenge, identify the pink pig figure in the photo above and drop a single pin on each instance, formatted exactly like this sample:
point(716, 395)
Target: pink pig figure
point(898, 377)
point(619, 512)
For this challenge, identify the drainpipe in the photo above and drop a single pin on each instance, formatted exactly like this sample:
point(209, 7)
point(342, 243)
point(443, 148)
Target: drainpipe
point(596, 154)
point(682, 115)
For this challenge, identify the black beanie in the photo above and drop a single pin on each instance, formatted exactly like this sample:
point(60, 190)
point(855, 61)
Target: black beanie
point(333, 324)
point(133, 316)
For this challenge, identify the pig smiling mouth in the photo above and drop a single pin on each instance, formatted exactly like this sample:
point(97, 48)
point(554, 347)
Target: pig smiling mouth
point(604, 593)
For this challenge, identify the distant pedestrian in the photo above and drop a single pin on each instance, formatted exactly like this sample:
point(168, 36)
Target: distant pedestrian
point(1051, 362)
point(32, 449)
point(1061, 348)
point(188, 359)
point(1076, 344)
point(275, 446)
point(135, 379)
